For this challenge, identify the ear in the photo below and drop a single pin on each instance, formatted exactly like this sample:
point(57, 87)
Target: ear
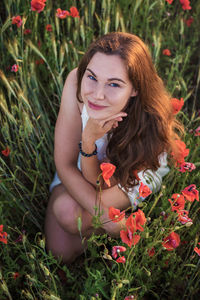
point(134, 92)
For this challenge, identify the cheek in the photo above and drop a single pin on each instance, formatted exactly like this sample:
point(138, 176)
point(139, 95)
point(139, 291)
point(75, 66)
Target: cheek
point(118, 97)
point(87, 86)
point(112, 93)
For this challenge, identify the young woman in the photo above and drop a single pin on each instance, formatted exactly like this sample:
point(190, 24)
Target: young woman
point(114, 108)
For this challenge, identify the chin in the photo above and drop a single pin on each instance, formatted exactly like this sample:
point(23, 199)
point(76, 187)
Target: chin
point(97, 115)
point(100, 114)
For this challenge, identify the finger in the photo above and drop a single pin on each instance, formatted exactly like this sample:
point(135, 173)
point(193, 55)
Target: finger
point(108, 125)
point(96, 122)
point(103, 123)
point(118, 117)
point(115, 125)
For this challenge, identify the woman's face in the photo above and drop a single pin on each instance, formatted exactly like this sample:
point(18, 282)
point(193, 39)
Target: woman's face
point(105, 87)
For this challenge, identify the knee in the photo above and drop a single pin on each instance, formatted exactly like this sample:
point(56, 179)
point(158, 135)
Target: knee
point(63, 255)
point(66, 213)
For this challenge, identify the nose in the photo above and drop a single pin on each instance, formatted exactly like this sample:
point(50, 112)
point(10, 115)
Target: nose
point(99, 92)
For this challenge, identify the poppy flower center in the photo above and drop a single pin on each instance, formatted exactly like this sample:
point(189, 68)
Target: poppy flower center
point(190, 189)
point(173, 242)
point(130, 235)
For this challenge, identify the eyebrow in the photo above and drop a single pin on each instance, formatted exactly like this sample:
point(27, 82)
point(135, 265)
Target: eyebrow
point(109, 79)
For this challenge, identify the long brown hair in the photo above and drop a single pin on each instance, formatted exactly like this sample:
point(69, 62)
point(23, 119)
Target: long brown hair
point(150, 127)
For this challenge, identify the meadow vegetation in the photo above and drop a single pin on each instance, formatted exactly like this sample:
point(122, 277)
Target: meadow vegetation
point(38, 50)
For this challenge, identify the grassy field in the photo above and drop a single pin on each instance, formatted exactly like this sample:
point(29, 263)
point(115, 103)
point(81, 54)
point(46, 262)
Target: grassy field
point(35, 60)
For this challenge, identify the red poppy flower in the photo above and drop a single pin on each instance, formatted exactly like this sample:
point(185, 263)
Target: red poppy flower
point(38, 5)
point(49, 28)
point(20, 237)
point(115, 215)
point(108, 170)
point(183, 216)
point(197, 131)
point(166, 52)
point(27, 31)
point(121, 259)
point(177, 105)
point(177, 203)
point(17, 20)
point(187, 166)
point(166, 263)
point(169, 1)
point(151, 252)
point(135, 173)
point(189, 21)
point(15, 275)
point(184, 242)
point(144, 190)
point(129, 238)
point(116, 250)
point(39, 61)
point(197, 250)
point(185, 4)
point(181, 152)
point(171, 242)
point(6, 152)
point(136, 220)
point(14, 68)
point(3, 235)
point(62, 14)
point(190, 193)
point(74, 12)
point(129, 297)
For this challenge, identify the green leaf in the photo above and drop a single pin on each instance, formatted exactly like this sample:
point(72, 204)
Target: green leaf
point(7, 23)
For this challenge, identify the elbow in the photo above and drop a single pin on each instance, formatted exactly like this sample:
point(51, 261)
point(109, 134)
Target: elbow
point(63, 164)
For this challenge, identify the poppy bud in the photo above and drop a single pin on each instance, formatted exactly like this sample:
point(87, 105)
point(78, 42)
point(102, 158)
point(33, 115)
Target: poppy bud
point(188, 224)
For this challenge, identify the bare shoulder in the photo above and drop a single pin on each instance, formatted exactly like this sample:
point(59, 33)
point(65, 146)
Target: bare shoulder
point(70, 88)
point(68, 124)
point(72, 75)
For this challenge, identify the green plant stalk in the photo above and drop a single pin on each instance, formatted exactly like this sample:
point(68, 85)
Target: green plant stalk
point(128, 263)
point(155, 202)
point(192, 279)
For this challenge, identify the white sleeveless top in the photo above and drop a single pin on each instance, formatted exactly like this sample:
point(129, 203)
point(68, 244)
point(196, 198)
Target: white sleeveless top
point(152, 179)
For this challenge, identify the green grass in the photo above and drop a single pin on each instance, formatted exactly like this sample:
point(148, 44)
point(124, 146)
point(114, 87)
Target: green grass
point(29, 103)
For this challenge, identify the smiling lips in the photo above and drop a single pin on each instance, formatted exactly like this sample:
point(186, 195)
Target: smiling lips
point(95, 107)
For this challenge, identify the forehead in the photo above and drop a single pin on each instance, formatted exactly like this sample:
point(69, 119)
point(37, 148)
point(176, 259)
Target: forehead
point(108, 66)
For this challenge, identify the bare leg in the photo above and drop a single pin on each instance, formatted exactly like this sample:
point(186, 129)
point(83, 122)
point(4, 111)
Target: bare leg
point(62, 236)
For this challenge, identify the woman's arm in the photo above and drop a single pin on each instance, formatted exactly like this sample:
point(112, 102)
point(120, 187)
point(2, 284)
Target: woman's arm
point(90, 166)
point(94, 130)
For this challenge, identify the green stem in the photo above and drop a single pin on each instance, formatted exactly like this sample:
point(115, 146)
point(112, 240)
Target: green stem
point(191, 280)
point(155, 202)
point(128, 263)
point(100, 190)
